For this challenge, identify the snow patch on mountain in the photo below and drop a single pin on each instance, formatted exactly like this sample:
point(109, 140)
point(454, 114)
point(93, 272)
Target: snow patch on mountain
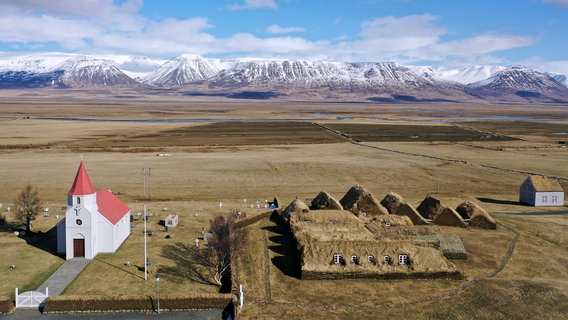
point(136, 67)
point(459, 74)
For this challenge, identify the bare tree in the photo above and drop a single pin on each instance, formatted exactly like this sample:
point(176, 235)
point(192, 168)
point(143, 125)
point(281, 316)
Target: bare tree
point(28, 204)
point(223, 247)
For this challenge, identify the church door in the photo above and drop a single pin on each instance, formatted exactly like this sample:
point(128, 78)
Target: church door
point(78, 248)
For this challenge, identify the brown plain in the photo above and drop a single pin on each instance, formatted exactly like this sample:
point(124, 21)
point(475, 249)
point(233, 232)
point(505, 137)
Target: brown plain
point(281, 149)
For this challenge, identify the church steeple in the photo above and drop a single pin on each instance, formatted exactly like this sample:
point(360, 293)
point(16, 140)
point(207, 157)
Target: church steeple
point(82, 184)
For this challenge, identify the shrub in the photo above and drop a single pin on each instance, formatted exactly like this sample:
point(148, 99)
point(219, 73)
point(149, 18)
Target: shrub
point(6, 306)
point(63, 304)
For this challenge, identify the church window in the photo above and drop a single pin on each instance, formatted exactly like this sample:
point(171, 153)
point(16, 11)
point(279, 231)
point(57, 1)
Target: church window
point(78, 200)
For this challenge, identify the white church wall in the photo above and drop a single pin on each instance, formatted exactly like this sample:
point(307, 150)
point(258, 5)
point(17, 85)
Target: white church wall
point(106, 235)
point(122, 231)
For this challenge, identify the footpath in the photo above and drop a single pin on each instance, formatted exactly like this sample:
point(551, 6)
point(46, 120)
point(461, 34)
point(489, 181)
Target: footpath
point(61, 278)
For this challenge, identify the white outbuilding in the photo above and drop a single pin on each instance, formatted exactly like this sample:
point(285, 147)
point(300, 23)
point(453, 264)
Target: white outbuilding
point(541, 191)
point(95, 221)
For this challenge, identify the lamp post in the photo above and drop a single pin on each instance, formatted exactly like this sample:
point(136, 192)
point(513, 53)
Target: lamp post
point(158, 286)
point(144, 174)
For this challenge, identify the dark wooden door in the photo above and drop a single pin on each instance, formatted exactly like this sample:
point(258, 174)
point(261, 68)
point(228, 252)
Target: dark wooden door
point(78, 248)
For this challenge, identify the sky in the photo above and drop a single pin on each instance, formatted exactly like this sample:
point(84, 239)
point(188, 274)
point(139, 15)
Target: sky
point(411, 32)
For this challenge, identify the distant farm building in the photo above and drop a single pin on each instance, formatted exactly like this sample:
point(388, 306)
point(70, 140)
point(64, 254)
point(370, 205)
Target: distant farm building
point(95, 221)
point(541, 191)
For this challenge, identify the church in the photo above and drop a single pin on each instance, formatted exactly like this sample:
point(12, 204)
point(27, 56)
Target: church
point(95, 221)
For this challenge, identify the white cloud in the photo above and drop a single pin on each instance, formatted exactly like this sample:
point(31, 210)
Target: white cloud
point(389, 37)
point(101, 26)
point(556, 66)
point(244, 42)
point(478, 48)
point(255, 4)
point(122, 17)
point(71, 34)
point(274, 28)
point(416, 38)
point(158, 38)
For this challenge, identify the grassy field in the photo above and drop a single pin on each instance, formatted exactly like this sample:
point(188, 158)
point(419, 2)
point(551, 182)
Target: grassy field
point(230, 162)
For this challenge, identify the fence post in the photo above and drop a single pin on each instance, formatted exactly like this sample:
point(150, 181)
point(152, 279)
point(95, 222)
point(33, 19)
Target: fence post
point(16, 297)
point(47, 291)
point(241, 296)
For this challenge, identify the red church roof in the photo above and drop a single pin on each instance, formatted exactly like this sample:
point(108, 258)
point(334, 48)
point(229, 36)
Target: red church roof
point(112, 208)
point(82, 184)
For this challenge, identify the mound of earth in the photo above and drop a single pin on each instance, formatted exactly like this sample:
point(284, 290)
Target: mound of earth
point(324, 201)
point(393, 220)
point(477, 216)
point(429, 207)
point(361, 202)
point(296, 206)
point(448, 217)
point(396, 205)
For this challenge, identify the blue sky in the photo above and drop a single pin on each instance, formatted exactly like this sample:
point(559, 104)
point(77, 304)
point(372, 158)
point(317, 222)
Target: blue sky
point(411, 32)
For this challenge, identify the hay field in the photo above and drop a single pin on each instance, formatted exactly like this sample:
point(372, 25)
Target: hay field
point(196, 177)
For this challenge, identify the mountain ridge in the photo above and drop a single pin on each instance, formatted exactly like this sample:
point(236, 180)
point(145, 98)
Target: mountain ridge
point(375, 81)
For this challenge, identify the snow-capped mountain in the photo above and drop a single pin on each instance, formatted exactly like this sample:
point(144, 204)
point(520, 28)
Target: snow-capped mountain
point(182, 70)
point(37, 63)
point(387, 82)
point(271, 72)
point(317, 73)
point(559, 77)
point(459, 74)
point(89, 71)
point(136, 67)
point(517, 84)
point(381, 79)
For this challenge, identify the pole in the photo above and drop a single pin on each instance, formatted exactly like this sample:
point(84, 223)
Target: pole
point(438, 180)
point(158, 285)
point(144, 178)
point(150, 179)
point(145, 248)
point(241, 296)
point(144, 174)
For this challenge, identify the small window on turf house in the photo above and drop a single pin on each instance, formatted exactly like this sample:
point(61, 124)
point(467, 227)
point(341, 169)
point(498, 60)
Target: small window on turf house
point(337, 258)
